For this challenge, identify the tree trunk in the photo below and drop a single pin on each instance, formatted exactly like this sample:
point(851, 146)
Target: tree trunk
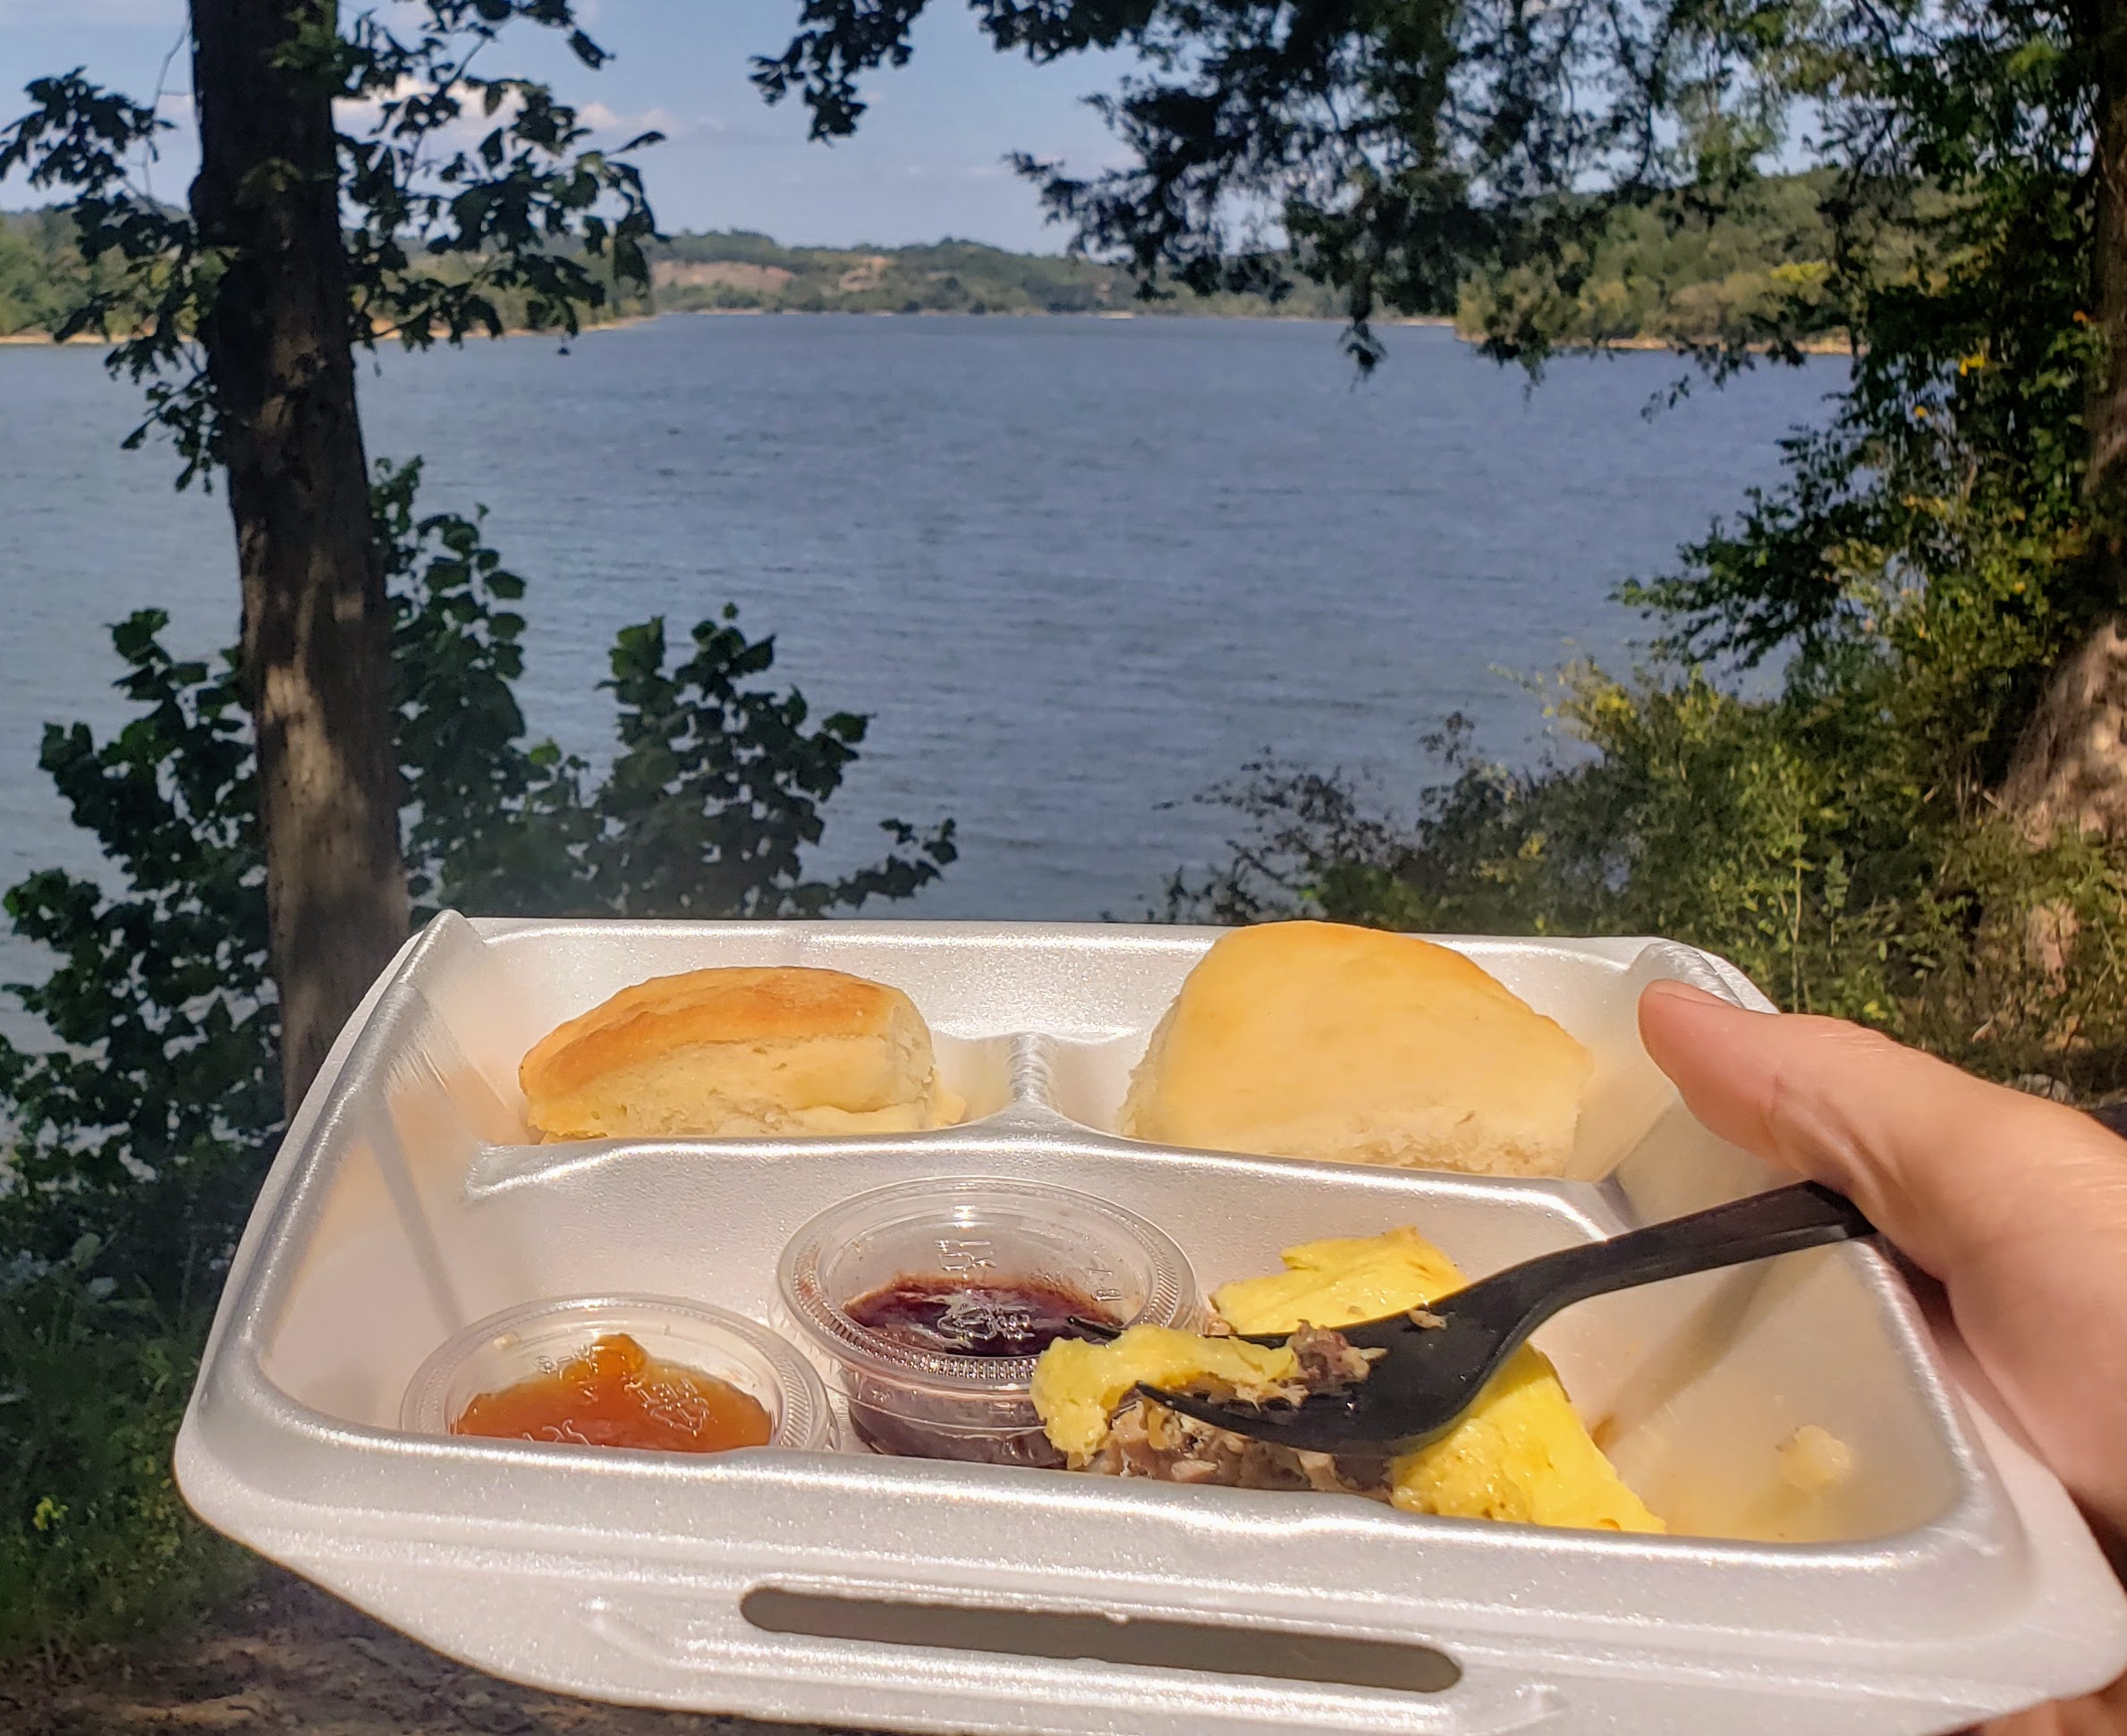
point(2070, 767)
point(316, 631)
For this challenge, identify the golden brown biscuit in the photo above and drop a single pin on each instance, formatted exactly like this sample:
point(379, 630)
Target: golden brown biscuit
point(1314, 1039)
point(734, 1052)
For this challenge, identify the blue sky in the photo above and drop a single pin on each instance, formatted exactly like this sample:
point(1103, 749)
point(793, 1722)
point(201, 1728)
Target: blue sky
point(925, 163)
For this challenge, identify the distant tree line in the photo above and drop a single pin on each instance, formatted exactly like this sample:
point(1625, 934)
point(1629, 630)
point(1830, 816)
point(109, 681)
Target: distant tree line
point(40, 271)
point(44, 281)
point(1756, 272)
point(1661, 274)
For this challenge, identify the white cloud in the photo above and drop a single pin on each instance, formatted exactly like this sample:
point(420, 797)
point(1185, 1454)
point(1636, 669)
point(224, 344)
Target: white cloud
point(953, 173)
point(600, 119)
point(609, 127)
point(699, 131)
point(708, 132)
point(473, 124)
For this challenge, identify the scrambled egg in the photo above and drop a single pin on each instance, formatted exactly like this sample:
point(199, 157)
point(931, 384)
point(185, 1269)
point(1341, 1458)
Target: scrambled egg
point(1076, 1385)
point(1520, 1453)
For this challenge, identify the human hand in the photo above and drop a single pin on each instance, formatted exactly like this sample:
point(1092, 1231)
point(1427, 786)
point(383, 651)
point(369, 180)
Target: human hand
point(2017, 1206)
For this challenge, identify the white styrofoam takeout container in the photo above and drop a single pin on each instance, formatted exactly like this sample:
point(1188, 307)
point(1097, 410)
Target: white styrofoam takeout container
point(1948, 1577)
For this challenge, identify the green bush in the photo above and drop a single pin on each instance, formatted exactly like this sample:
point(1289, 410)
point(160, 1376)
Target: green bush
point(138, 1138)
point(1797, 837)
point(1926, 562)
point(99, 1548)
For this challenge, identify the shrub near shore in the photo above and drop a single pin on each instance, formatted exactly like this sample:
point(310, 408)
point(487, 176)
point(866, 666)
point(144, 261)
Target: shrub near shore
point(1802, 838)
point(139, 1139)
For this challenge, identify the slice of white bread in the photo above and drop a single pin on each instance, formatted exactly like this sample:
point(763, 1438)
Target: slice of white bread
point(736, 1051)
point(1314, 1039)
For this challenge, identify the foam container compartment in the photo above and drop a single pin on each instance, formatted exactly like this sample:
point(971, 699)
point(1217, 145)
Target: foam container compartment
point(1947, 1578)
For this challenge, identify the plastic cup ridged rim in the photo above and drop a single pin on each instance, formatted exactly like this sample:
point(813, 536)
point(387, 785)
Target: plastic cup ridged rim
point(1170, 1295)
point(804, 1421)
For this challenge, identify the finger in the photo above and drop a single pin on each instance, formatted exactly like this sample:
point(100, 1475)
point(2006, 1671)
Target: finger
point(1948, 1166)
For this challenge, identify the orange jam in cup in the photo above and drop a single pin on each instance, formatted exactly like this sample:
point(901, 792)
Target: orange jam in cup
point(614, 1393)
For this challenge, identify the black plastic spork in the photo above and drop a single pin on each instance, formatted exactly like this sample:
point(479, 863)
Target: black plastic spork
point(1439, 1358)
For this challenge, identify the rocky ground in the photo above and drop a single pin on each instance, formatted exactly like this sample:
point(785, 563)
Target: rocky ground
point(288, 1657)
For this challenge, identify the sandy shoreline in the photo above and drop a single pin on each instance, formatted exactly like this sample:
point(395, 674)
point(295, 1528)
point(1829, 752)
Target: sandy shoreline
point(46, 338)
point(1820, 346)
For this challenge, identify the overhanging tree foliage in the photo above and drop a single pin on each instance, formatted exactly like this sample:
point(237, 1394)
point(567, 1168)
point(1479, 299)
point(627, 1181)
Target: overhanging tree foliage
point(358, 184)
point(1961, 521)
point(1389, 147)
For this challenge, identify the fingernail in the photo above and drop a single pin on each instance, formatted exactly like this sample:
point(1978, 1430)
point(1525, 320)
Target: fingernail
point(1669, 988)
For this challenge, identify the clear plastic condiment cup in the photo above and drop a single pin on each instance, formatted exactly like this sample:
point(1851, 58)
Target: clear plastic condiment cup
point(536, 1338)
point(917, 1401)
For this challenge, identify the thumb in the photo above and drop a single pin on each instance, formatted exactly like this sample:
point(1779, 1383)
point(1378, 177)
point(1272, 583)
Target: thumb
point(2018, 1206)
point(1953, 1169)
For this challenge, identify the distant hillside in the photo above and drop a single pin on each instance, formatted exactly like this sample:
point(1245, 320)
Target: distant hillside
point(736, 269)
point(1655, 276)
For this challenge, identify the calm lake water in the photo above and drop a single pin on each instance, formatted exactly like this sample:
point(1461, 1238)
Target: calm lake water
point(1080, 570)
